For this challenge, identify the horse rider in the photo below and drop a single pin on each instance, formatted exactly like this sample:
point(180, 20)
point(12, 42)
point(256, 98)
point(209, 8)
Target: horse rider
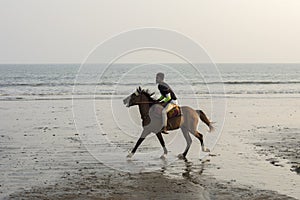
point(168, 97)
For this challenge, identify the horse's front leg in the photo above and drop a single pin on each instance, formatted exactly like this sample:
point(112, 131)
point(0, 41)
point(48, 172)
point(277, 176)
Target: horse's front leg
point(162, 142)
point(138, 143)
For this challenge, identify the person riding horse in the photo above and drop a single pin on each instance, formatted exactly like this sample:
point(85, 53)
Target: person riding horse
point(168, 97)
point(151, 121)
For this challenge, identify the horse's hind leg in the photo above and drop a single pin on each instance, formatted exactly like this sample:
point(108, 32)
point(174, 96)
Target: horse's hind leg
point(200, 137)
point(162, 142)
point(188, 142)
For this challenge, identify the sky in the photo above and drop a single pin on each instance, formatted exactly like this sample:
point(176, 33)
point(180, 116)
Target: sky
point(65, 31)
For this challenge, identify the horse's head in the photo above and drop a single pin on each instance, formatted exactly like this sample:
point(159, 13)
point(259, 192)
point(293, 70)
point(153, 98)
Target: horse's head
point(138, 97)
point(133, 99)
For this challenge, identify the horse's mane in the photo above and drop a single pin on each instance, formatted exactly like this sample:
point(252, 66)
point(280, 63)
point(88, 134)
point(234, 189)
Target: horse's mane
point(147, 93)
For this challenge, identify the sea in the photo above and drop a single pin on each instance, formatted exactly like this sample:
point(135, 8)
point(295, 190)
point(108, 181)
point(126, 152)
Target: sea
point(67, 81)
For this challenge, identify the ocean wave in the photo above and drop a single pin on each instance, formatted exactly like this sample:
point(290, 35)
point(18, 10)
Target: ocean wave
point(111, 97)
point(248, 82)
point(126, 93)
point(69, 84)
point(145, 84)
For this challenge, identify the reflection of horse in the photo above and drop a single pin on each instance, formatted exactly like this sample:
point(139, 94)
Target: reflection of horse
point(152, 122)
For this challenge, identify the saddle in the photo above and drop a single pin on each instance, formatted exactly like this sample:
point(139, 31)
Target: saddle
point(174, 118)
point(174, 112)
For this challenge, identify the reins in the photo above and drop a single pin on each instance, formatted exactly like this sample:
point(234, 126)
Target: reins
point(147, 102)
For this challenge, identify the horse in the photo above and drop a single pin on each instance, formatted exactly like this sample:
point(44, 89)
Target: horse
point(150, 111)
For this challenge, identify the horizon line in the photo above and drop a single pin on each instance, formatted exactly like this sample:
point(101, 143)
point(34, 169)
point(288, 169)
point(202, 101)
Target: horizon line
point(71, 63)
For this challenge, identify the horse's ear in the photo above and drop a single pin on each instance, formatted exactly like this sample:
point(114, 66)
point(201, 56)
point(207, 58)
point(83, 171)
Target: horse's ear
point(139, 89)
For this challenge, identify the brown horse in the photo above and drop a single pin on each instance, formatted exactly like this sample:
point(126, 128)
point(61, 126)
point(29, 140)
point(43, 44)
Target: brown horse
point(152, 122)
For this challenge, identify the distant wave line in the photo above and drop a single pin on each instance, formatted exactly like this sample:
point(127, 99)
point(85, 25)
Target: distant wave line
point(146, 84)
point(248, 82)
point(125, 93)
point(64, 84)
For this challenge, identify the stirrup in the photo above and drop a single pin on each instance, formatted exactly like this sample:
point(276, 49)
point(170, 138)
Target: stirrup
point(164, 130)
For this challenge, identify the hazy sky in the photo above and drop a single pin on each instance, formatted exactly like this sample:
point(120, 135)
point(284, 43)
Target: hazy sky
point(65, 31)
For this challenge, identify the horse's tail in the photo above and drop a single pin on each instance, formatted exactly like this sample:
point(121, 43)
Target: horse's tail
point(205, 120)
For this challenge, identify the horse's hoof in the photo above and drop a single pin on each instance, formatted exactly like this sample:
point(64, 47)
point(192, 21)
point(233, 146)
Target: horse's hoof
point(181, 156)
point(206, 150)
point(164, 156)
point(129, 155)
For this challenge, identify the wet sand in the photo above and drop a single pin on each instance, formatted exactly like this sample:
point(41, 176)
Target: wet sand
point(42, 157)
point(282, 146)
point(94, 184)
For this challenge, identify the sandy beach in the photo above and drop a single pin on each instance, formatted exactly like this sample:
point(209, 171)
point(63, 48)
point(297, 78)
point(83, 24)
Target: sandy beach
point(256, 157)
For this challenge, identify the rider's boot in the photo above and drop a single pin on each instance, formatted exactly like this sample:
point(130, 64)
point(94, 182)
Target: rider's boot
point(164, 130)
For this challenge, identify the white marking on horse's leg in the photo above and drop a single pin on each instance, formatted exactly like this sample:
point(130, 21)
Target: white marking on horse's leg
point(162, 142)
point(130, 154)
point(204, 149)
point(164, 156)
